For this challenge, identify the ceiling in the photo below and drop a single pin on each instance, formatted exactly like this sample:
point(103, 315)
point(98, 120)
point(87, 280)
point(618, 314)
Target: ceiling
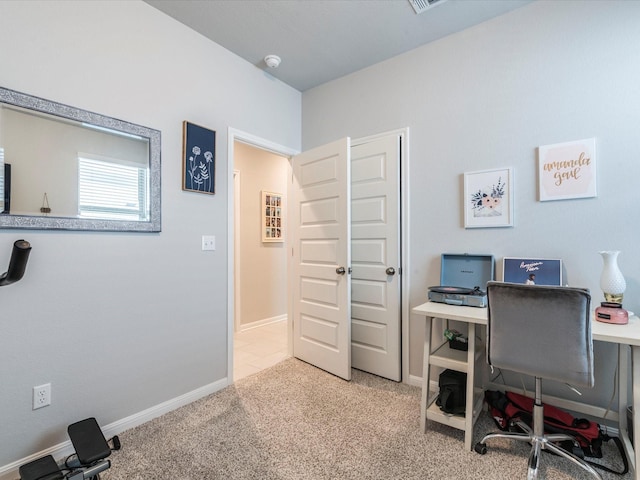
point(321, 40)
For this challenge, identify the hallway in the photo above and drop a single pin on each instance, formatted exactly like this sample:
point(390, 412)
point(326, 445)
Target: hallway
point(258, 348)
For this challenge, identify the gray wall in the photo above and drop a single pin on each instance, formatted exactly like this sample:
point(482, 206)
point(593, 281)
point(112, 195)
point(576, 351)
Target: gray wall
point(549, 72)
point(119, 323)
point(122, 322)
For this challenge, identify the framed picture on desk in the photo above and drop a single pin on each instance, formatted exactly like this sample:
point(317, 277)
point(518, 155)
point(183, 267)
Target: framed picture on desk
point(532, 271)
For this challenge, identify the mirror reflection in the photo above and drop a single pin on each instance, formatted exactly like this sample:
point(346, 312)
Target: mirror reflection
point(62, 167)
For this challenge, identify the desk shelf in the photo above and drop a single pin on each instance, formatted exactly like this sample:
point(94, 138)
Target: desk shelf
point(438, 353)
point(447, 357)
point(456, 421)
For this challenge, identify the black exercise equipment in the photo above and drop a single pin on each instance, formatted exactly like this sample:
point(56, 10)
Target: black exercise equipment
point(91, 448)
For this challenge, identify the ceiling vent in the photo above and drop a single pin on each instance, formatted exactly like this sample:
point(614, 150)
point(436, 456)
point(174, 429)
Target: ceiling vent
point(421, 6)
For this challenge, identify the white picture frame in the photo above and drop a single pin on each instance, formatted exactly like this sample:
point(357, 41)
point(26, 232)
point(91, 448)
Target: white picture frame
point(273, 209)
point(567, 170)
point(488, 198)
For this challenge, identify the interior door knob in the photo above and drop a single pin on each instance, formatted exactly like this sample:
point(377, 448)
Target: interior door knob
point(391, 271)
point(340, 270)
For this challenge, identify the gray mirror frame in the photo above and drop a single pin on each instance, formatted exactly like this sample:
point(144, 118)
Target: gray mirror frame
point(33, 222)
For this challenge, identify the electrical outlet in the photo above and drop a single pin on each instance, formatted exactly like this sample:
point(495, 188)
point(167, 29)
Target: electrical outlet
point(41, 396)
point(208, 242)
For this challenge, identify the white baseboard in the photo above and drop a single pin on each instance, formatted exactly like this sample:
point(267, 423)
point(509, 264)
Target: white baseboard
point(260, 323)
point(417, 382)
point(64, 449)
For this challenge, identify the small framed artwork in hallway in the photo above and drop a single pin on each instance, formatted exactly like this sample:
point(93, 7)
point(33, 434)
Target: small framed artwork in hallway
point(272, 217)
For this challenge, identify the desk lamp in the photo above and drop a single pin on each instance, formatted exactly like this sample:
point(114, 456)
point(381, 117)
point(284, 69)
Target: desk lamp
point(613, 286)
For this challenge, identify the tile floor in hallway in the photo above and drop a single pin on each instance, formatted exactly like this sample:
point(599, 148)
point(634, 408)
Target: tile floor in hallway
point(259, 348)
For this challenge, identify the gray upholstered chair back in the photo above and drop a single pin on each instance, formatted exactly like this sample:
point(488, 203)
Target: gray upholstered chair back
point(542, 331)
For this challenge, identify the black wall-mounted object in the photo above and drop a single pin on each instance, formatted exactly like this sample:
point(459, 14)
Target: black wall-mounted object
point(17, 263)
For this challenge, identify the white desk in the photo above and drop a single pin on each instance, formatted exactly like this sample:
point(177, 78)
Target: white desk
point(624, 336)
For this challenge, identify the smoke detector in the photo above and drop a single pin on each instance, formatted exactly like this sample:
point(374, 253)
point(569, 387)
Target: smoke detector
point(421, 6)
point(272, 61)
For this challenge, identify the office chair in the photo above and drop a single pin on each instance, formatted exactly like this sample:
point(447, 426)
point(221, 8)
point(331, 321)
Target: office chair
point(544, 332)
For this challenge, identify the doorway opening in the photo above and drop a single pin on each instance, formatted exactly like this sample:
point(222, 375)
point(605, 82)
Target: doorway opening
point(260, 259)
point(363, 340)
point(258, 323)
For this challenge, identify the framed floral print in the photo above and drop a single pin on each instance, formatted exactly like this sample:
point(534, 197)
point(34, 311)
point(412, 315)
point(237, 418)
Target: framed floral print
point(198, 158)
point(488, 198)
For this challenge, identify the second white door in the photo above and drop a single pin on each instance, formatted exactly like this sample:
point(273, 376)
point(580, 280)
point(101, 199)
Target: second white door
point(375, 252)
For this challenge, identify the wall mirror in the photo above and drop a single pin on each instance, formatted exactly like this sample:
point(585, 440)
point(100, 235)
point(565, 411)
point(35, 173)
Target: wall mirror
point(66, 168)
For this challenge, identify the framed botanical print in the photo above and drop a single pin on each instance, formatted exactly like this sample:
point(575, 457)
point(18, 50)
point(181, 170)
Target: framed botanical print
point(488, 198)
point(198, 158)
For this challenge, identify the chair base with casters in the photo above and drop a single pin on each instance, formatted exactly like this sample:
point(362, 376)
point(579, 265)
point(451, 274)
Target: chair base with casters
point(538, 439)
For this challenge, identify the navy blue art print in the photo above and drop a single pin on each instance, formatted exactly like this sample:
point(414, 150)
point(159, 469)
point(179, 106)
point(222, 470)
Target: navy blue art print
point(199, 153)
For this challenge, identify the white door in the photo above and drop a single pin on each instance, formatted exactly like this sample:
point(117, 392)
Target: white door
point(375, 243)
point(321, 253)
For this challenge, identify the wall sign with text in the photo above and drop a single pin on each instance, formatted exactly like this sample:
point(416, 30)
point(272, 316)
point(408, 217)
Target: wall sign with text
point(567, 170)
